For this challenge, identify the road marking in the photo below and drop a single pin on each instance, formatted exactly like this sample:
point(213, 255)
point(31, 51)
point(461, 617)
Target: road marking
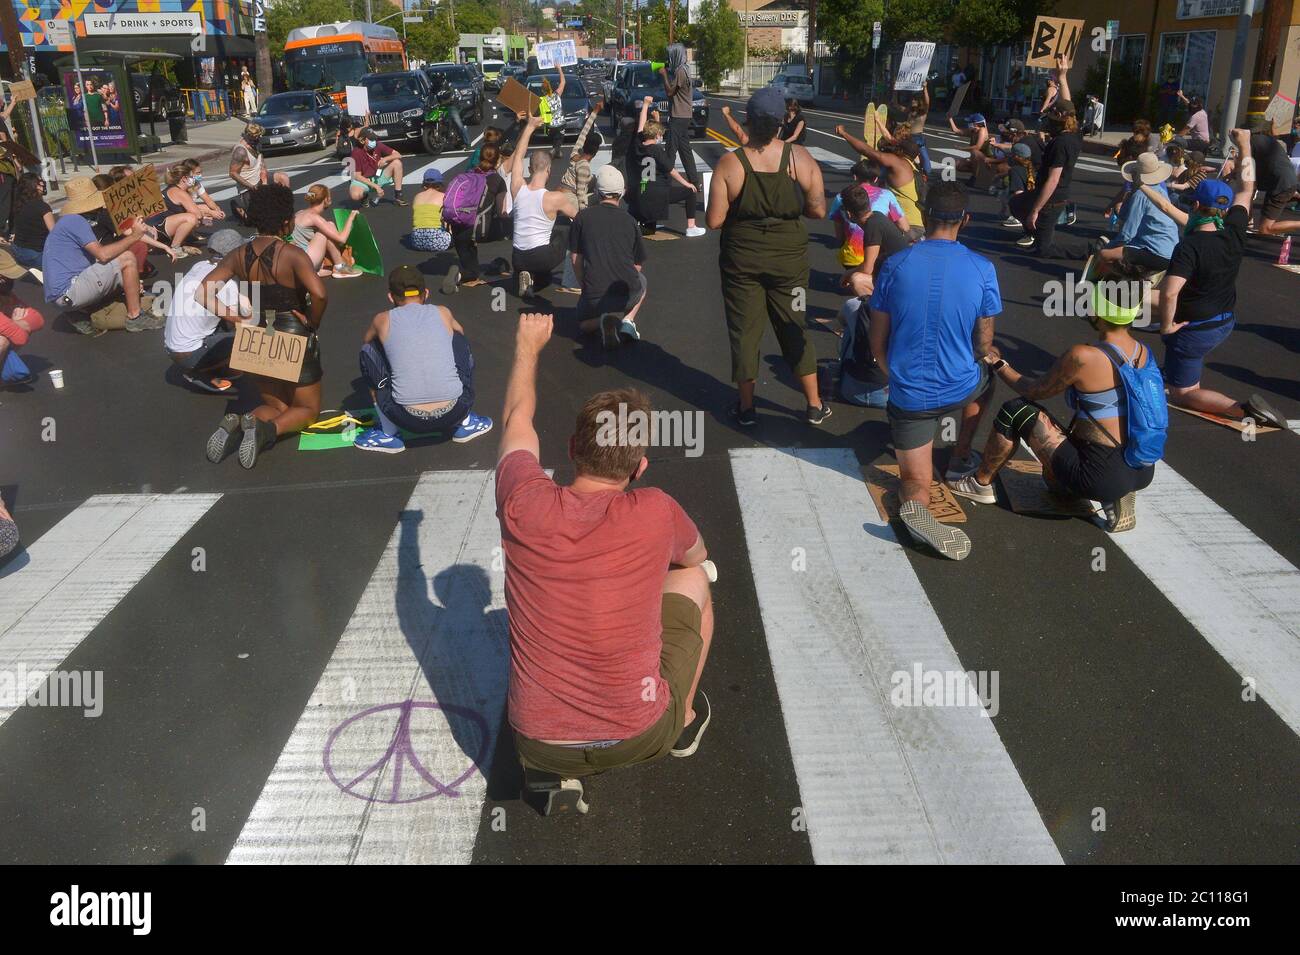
point(59, 589)
point(442, 164)
point(388, 762)
point(831, 160)
point(1242, 595)
point(729, 143)
point(879, 782)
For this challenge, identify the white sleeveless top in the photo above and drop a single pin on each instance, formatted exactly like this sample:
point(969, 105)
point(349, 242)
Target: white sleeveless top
point(532, 224)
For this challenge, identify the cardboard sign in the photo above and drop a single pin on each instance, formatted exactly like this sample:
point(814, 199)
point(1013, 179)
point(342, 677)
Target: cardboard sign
point(883, 483)
point(358, 101)
point(136, 195)
point(1053, 35)
point(958, 99)
point(557, 53)
point(22, 90)
point(271, 354)
point(1027, 493)
point(914, 67)
point(514, 96)
point(20, 154)
point(1281, 113)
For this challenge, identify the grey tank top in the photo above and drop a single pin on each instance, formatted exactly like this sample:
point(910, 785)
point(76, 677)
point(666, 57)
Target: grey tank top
point(302, 235)
point(419, 353)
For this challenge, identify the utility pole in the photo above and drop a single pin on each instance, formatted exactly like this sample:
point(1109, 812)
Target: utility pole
point(1235, 80)
point(811, 54)
point(622, 30)
point(1270, 37)
point(672, 16)
point(744, 69)
point(261, 51)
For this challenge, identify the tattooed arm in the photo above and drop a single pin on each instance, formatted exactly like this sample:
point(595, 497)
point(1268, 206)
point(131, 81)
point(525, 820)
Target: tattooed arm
point(1060, 376)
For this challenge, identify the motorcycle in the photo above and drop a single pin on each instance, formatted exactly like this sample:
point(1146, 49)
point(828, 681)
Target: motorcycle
point(439, 131)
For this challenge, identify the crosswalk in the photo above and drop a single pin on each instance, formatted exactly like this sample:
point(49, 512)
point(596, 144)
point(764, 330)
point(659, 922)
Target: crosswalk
point(390, 757)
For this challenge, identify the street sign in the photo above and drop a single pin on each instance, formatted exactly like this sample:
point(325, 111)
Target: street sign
point(1112, 30)
point(875, 35)
point(58, 33)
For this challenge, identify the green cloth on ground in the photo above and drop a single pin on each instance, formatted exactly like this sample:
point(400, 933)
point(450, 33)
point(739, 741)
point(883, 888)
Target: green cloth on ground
point(364, 248)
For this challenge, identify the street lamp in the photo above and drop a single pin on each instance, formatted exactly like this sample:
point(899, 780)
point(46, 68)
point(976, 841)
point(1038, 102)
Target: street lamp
point(744, 69)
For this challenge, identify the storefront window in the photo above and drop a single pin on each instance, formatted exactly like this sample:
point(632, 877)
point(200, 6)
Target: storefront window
point(1187, 59)
point(1131, 51)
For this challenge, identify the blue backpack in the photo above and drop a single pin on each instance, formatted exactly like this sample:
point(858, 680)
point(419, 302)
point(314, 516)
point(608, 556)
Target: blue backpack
point(1147, 411)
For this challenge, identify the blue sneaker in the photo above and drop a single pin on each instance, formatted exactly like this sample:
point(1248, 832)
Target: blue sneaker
point(474, 426)
point(374, 439)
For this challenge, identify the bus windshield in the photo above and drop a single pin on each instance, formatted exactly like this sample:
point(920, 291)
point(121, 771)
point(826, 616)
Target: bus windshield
point(308, 70)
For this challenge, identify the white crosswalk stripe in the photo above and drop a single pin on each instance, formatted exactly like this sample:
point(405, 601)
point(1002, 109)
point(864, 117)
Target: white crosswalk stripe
point(64, 584)
point(876, 786)
point(388, 763)
point(1237, 591)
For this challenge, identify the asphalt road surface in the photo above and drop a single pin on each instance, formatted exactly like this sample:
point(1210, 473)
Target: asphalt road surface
point(307, 661)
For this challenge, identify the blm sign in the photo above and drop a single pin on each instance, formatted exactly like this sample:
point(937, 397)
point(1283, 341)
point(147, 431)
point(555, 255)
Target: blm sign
point(1051, 36)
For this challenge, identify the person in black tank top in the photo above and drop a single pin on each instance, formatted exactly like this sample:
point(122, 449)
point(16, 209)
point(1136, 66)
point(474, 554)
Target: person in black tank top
point(175, 223)
point(291, 298)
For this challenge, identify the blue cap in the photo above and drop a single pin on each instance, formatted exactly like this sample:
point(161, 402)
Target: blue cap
point(433, 175)
point(768, 101)
point(1214, 193)
point(974, 118)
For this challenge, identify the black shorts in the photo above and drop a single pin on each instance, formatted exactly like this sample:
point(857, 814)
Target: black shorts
point(1097, 472)
point(915, 429)
point(1275, 204)
point(1141, 262)
point(617, 298)
point(311, 366)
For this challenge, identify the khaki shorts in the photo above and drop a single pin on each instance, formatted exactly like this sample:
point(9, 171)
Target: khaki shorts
point(678, 661)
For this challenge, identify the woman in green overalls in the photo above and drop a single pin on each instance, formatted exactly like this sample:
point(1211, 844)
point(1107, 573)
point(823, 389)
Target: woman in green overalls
point(757, 197)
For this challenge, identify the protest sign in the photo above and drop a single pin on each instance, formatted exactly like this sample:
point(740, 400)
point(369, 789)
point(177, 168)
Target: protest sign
point(136, 196)
point(514, 96)
point(914, 66)
point(22, 90)
point(358, 101)
point(553, 55)
point(272, 354)
point(1281, 113)
point(1053, 35)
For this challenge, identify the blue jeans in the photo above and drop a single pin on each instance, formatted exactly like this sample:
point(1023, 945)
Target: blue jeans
point(394, 417)
point(27, 258)
point(1187, 348)
point(14, 368)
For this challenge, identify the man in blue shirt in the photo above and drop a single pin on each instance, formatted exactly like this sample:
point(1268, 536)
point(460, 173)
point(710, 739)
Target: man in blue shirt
point(931, 323)
point(81, 273)
point(1147, 237)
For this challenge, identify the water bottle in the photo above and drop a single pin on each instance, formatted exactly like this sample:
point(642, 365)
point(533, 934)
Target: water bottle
point(1284, 257)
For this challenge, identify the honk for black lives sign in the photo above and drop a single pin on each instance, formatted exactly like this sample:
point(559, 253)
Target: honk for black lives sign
point(261, 351)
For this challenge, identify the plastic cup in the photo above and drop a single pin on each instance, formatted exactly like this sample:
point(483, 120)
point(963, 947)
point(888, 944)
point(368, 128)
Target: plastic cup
point(56, 377)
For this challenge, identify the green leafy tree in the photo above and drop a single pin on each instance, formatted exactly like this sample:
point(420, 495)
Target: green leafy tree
point(474, 16)
point(654, 30)
point(432, 40)
point(719, 41)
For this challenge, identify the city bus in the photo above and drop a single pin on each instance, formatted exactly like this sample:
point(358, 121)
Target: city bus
point(333, 56)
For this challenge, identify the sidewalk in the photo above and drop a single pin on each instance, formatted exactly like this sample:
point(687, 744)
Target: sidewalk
point(207, 142)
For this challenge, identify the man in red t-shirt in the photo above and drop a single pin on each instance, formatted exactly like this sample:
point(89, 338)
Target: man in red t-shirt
point(610, 614)
point(375, 165)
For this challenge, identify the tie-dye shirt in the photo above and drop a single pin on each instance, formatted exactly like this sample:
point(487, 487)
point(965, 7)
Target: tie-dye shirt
point(882, 201)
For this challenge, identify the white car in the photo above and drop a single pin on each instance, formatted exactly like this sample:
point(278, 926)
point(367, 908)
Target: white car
point(795, 87)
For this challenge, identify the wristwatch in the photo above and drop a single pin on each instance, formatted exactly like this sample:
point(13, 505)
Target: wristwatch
point(999, 364)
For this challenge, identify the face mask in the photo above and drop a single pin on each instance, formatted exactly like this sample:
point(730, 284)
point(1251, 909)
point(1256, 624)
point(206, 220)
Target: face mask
point(371, 144)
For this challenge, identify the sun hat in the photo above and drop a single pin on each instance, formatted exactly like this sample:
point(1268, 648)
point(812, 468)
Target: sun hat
point(82, 195)
point(1148, 168)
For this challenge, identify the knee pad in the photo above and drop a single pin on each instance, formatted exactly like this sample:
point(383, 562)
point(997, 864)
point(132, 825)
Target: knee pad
point(1016, 418)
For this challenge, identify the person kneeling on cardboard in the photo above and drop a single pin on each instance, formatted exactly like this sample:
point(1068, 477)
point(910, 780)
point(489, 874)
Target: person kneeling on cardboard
point(417, 362)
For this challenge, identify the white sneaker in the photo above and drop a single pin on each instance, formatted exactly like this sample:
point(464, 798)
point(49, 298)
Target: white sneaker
point(694, 232)
point(1011, 222)
point(970, 488)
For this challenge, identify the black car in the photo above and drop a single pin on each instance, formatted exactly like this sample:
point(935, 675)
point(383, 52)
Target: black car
point(153, 94)
point(399, 103)
point(301, 119)
point(465, 85)
point(577, 98)
point(640, 80)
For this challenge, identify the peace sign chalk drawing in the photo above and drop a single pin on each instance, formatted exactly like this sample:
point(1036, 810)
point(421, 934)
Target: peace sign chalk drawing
point(402, 751)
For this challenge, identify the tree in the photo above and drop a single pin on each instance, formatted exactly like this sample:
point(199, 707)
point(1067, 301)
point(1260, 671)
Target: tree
point(474, 16)
point(434, 39)
point(719, 41)
point(654, 30)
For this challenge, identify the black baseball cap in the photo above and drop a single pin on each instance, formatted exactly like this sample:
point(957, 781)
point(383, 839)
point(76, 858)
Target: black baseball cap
point(406, 281)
